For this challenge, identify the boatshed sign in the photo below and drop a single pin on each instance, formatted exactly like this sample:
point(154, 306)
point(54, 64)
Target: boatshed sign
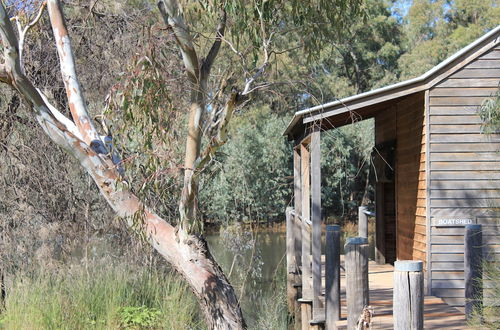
point(452, 222)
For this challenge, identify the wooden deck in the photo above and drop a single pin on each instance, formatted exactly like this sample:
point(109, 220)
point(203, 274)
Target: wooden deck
point(437, 314)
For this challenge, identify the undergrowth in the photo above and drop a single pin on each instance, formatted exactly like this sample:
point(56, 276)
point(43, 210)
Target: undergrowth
point(107, 297)
point(487, 316)
point(273, 309)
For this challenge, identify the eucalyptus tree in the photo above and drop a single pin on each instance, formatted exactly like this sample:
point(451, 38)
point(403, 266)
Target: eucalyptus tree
point(250, 36)
point(434, 30)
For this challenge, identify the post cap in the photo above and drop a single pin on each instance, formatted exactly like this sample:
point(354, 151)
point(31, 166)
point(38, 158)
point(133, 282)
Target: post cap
point(357, 240)
point(332, 228)
point(473, 227)
point(408, 265)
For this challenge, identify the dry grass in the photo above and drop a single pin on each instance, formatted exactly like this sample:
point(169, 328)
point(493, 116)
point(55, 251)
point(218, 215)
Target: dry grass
point(488, 315)
point(105, 297)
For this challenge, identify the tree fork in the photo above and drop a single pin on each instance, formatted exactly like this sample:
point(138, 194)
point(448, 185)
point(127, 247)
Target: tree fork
point(187, 253)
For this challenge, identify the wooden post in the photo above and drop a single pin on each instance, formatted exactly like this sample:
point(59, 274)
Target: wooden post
point(306, 299)
point(473, 262)
point(297, 229)
point(306, 228)
point(362, 222)
point(332, 277)
point(297, 204)
point(408, 299)
point(379, 224)
point(318, 308)
point(356, 268)
point(306, 314)
point(290, 264)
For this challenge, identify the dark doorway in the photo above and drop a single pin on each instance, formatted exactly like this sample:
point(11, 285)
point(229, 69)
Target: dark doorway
point(383, 157)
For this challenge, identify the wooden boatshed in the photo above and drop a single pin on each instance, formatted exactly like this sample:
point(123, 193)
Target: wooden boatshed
point(435, 169)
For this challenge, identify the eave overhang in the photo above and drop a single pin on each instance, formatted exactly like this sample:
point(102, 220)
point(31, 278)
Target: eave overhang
point(404, 88)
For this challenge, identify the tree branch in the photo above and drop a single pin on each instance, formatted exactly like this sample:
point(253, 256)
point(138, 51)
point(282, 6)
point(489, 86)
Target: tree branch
point(23, 32)
point(172, 17)
point(214, 50)
point(237, 52)
point(76, 102)
point(12, 74)
point(266, 42)
point(249, 82)
point(219, 138)
point(220, 128)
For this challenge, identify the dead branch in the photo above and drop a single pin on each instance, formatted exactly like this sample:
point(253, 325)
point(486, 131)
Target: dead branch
point(22, 32)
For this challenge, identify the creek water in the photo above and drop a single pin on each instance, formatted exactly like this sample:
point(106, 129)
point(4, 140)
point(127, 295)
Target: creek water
point(255, 263)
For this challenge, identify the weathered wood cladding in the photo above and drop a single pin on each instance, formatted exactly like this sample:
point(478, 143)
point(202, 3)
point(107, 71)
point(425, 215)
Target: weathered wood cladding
point(401, 205)
point(464, 171)
point(385, 132)
point(410, 179)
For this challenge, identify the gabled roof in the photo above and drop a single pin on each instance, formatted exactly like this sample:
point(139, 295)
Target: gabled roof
point(419, 84)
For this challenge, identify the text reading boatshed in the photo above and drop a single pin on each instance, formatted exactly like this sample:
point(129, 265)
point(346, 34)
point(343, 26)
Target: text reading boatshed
point(436, 171)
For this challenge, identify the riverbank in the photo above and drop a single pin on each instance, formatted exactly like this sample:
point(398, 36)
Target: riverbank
point(108, 292)
point(349, 227)
point(212, 228)
point(105, 296)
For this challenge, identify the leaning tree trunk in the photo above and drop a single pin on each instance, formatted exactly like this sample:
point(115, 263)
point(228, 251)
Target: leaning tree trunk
point(187, 253)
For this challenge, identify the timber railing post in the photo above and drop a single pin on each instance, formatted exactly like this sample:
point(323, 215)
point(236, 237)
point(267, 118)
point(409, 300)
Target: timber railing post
point(332, 276)
point(290, 261)
point(307, 292)
point(297, 204)
point(315, 155)
point(473, 269)
point(408, 299)
point(297, 228)
point(356, 273)
point(362, 222)
point(306, 228)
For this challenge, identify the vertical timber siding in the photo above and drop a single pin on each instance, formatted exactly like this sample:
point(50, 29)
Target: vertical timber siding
point(410, 179)
point(385, 131)
point(464, 171)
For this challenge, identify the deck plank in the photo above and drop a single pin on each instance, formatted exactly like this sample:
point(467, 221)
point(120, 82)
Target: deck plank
point(380, 277)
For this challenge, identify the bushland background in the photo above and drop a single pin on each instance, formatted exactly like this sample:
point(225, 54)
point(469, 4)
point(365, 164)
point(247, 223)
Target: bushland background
point(60, 250)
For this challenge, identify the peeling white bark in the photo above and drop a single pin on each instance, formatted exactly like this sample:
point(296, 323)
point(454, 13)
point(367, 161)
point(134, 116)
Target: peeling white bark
point(187, 253)
point(76, 101)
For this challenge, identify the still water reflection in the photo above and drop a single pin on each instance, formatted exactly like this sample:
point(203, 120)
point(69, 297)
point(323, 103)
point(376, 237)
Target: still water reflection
point(256, 265)
point(256, 270)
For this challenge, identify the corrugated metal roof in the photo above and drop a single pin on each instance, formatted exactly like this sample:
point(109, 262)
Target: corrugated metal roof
point(411, 83)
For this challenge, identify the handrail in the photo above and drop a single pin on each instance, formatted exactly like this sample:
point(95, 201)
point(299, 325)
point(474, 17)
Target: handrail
point(307, 221)
point(372, 214)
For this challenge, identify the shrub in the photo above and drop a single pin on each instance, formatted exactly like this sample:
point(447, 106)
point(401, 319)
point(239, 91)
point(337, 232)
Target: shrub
point(143, 317)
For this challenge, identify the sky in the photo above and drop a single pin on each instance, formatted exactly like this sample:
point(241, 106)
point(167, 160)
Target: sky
point(400, 8)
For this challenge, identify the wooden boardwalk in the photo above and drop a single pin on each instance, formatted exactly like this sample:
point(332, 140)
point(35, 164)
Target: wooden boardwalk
point(437, 314)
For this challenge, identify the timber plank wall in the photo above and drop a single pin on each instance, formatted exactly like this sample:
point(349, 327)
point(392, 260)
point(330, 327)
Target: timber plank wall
point(464, 168)
point(410, 179)
point(404, 122)
point(385, 133)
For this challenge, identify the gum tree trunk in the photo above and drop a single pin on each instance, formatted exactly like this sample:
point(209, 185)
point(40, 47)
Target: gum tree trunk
point(187, 252)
